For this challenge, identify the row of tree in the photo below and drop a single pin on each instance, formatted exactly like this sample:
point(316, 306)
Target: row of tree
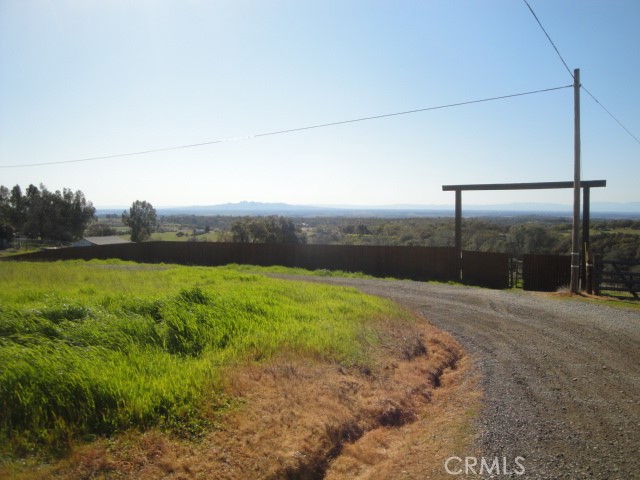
point(61, 216)
point(39, 213)
point(610, 239)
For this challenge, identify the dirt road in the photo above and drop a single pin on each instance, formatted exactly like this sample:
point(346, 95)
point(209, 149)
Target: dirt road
point(561, 378)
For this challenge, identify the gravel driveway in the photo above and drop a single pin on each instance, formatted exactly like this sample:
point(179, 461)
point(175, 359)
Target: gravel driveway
point(561, 378)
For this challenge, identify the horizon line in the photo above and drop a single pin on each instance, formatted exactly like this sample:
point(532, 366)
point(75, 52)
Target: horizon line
point(389, 206)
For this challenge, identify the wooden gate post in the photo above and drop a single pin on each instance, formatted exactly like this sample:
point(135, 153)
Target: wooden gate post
point(586, 241)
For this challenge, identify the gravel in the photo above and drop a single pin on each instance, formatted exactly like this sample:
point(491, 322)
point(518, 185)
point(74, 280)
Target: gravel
point(561, 378)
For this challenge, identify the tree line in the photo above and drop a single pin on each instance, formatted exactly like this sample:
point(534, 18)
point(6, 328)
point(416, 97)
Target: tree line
point(611, 239)
point(270, 229)
point(61, 216)
point(39, 213)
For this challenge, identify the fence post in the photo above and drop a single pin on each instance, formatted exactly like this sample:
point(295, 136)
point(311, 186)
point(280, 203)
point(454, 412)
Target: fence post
point(459, 233)
point(597, 274)
point(589, 271)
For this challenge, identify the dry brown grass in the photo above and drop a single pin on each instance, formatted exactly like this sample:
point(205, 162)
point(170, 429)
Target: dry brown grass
point(443, 425)
point(305, 419)
point(622, 301)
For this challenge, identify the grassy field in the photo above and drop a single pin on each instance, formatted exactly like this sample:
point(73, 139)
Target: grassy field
point(173, 237)
point(89, 349)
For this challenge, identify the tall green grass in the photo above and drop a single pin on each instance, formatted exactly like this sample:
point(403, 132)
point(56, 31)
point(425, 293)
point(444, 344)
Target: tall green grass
point(92, 348)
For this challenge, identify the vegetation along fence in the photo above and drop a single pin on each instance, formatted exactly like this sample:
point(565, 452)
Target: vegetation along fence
point(419, 263)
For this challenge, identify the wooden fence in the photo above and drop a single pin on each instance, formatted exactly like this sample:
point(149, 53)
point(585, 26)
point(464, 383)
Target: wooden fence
point(486, 269)
point(546, 273)
point(418, 263)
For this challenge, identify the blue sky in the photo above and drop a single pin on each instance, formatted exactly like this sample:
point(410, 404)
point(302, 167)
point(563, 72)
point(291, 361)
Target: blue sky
point(84, 78)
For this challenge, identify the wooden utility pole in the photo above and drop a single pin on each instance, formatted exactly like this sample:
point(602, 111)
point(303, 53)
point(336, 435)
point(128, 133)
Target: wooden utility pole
point(459, 233)
point(575, 244)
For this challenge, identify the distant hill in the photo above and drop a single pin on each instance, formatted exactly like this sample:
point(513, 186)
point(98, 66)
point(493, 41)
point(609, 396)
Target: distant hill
point(613, 210)
point(243, 208)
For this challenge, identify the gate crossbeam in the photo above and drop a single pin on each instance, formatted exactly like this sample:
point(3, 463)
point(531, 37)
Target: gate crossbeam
point(586, 185)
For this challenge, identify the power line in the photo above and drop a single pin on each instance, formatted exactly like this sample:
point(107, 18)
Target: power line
point(290, 130)
point(611, 114)
point(571, 73)
point(549, 38)
point(375, 117)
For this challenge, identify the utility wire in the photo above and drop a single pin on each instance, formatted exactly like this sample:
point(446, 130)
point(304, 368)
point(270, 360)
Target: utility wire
point(610, 114)
point(571, 73)
point(290, 130)
point(549, 38)
point(375, 117)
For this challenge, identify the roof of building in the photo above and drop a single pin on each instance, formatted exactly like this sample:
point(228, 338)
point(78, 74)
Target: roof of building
point(110, 240)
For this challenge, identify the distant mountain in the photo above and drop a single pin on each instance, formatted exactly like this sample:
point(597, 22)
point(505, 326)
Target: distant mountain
point(243, 208)
point(285, 209)
point(614, 210)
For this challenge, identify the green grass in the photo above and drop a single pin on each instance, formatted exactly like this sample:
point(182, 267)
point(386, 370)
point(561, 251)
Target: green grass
point(93, 348)
point(323, 272)
point(618, 300)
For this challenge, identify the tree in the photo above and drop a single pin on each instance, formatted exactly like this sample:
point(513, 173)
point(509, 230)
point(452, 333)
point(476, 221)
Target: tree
point(266, 230)
point(141, 219)
point(530, 238)
point(98, 229)
point(6, 230)
point(18, 212)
